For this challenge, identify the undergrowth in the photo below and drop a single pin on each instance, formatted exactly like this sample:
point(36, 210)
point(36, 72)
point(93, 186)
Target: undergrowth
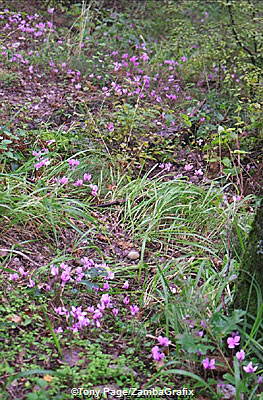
point(129, 178)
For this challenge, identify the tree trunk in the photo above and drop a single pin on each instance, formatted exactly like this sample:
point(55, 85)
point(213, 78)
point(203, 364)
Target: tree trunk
point(249, 292)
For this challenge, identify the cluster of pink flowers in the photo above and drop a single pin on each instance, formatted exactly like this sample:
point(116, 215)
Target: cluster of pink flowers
point(157, 353)
point(64, 180)
point(77, 318)
point(232, 342)
point(209, 363)
point(93, 315)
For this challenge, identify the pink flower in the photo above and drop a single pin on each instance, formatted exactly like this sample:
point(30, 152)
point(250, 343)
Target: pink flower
point(203, 324)
point(166, 166)
point(58, 330)
point(94, 190)
point(106, 286)
point(105, 300)
point(126, 300)
point(97, 314)
point(236, 198)
point(110, 127)
point(199, 172)
point(79, 182)
point(115, 311)
point(87, 177)
point(240, 355)
point(22, 271)
point(157, 354)
point(73, 163)
point(61, 311)
point(65, 276)
point(31, 283)
point(13, 277)
point(63, 180)
point(134, 309)
point(233, 342)
point(31, 69)
point(188, 167)
point(125, 285)
point(54, 270)
point(42, 163)
point(249, 368)
point(163, 341)
point(208, 364)
point(144, 57)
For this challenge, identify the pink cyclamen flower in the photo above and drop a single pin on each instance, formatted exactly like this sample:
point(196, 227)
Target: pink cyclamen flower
point(134, 309)
point(63, 180)
point(240, 355)
point(106, 286)
point(94, 190)
point(209, 364)
point(233, 342)
point(14, 277)
point(249, 368)
point(110, 127)
point(163, 341)
point(54, 270)
point(97, 314)
point(31, 283)
point(144, 57)
point(73, 163)
point(199, 172)
point(125, 285)
point(126, 300)
point(105, 300)
point(42, 163)
point(188, 167)
point(86, 177)
point(65, 276)
point(79, 182)
point(157, 354)
point(22, 271)
point(115, 311)
point(236, 198)
point(203, 324)
point(110, 275)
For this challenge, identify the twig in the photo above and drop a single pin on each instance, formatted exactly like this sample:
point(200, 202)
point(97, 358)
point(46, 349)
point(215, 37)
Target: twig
point(22, 255)
point(110, 203)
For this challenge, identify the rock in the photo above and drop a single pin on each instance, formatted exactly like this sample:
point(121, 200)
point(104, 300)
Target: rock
point(133, 255)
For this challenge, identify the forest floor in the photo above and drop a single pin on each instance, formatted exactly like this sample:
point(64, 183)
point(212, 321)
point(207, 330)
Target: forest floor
point(127, 190)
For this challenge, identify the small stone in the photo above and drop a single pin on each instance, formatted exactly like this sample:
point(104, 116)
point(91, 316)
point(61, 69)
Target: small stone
point(133, 255)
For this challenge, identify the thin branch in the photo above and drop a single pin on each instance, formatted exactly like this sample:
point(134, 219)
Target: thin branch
point(110, 203)
point(233, 26)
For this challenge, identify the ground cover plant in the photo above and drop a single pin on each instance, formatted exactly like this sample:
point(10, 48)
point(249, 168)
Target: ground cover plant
point(130, 175)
